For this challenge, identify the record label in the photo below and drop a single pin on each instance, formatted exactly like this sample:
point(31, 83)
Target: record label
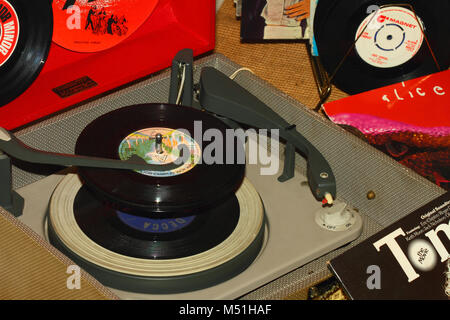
point(394, 43)
point(95, 25)
point(9, 31)
point(143, 144)
point(390, 38)
point(155, 225)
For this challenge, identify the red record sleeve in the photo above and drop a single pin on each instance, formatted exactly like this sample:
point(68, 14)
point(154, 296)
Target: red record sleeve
point(69, 77)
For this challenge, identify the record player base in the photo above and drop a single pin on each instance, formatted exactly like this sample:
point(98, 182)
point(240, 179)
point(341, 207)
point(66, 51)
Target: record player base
point(358, 167)
point(292, 237)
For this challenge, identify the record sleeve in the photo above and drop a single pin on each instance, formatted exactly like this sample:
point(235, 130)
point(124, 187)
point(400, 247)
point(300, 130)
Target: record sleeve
point(275, 19)
point(398, 120)
point(407, 260)
point(91, 26)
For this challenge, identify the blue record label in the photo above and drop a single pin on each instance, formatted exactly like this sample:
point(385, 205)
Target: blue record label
point(155, 225)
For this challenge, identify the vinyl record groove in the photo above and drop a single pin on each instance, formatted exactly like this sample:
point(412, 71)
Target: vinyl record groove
point(130, 132)
point(26, 29)
point(147, 238)
point(214, 265)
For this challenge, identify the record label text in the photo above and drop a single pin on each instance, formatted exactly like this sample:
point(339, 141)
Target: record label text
point(9, 31)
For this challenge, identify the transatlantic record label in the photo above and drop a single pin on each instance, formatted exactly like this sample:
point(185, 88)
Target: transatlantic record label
point(143, 144)
point(389, 37)
point(95, 25)
point(9, 31)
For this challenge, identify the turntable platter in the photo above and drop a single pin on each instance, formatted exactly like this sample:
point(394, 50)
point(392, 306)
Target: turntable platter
point(204, 269)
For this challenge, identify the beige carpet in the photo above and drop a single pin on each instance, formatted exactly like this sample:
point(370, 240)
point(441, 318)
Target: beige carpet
point(285, 65)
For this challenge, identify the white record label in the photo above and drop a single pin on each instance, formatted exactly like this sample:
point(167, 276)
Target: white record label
point(392, 37)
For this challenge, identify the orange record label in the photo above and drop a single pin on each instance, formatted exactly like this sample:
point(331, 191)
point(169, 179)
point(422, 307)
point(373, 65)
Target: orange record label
point(95, 25)
point(9, 31)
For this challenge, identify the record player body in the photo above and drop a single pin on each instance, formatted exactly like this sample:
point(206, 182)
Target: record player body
point(292, 238)
point(270, 215)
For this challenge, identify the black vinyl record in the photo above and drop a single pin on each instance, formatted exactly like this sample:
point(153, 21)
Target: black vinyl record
point(149, 238)
point(392, 48)
point(26, 29)
point(164, 255)
point(130, 131)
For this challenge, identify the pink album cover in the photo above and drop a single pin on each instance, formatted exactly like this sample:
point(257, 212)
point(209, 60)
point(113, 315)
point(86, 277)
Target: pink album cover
point(410, 121)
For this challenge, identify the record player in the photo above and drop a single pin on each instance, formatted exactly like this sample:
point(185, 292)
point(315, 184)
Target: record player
point(144, 212)
point(290, 235)
point(50, 68)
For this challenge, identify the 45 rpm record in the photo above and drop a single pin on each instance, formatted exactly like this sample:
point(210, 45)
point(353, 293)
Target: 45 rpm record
point(149, 238)
point(25, 35)
point(130, 132)
point(213, 265)
point(391, 47)
point(91, 26)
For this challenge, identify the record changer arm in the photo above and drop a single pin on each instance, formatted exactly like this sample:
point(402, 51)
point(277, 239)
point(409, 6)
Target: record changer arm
point(12, 146)
point(224, 97)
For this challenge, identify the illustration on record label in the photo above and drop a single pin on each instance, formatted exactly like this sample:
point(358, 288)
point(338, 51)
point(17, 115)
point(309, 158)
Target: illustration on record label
point(95, 25)
point(143, 144)
point(9, 31)
point(392, 38)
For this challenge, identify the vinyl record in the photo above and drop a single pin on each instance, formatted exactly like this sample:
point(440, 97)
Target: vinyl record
point(147, 275)
point(92, 26)
point(148, 238)
point(391, 48)
point(130, 132)
point(25, 35)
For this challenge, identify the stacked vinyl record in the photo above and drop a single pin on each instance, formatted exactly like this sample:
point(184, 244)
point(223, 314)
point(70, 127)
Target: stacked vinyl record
point(185, 228)
point(394, 42)
point(26, 29)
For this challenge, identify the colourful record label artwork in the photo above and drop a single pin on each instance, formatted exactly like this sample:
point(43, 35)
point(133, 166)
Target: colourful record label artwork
point(155, 225)
point(143, 144)
point(96, 25)
point(9, 31)
point(389, 37)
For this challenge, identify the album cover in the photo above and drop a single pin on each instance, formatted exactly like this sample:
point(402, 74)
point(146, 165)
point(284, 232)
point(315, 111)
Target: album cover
point(409, 121)
point(407, 260)
point(275, 19)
